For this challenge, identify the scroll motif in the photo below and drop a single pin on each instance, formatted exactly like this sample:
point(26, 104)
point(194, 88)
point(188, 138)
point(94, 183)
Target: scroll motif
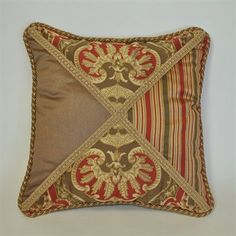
point(113, 181)
point(114, 175)
point(117, 61)
point(123, 67)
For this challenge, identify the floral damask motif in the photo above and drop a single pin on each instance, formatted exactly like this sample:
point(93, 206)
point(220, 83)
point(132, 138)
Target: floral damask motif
point(112, 174)
point(113, 180)
point(117, 61)
point(123, 67)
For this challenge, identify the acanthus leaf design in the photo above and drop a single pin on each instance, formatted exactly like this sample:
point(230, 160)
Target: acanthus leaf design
point(117, 61)
point(109, 178)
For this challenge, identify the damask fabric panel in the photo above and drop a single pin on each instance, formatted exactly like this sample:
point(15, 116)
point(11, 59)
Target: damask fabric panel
point(116, 121)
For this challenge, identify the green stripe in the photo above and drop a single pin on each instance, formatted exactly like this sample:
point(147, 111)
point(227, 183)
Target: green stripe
point(166, 112)
point(130, 115)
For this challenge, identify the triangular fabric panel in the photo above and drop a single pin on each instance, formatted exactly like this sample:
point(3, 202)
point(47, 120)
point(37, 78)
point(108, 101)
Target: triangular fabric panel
point(67, 114)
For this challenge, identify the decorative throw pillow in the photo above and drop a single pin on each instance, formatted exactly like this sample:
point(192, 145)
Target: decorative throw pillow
point(116, 121)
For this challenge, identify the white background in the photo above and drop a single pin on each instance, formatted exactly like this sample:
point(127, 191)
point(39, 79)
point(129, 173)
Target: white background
point(119, 19)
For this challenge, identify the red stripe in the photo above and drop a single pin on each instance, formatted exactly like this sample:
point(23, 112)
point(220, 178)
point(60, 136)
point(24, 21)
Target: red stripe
point(173, 135)
point(56, 41)
point(159, 104)
point(148, 118)
point(142, 115)
point(181, 72)
point(53, 193)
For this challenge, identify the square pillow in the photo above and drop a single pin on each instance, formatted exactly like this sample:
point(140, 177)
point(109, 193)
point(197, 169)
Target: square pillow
point(116, 121)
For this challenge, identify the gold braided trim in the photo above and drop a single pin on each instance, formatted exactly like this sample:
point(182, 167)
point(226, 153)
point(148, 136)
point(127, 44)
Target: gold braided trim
point(134, 203)
point(114, 119)
point(33, 117)
point(203, 172)
point(40, 25)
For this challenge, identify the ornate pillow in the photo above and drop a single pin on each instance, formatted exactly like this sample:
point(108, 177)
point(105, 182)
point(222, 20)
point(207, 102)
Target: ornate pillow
point(116, 121)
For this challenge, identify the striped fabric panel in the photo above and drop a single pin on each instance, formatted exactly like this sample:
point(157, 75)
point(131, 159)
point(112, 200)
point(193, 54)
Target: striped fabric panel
point(168, 116)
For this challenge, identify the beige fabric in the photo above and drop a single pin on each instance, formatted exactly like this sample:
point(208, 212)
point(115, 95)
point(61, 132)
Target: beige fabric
point(62, 123)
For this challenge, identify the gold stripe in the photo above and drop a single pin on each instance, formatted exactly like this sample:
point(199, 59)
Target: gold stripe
point(162, 117)
point(189, 124)
point(170, 86)
point(117, 115)
point(177, 109)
